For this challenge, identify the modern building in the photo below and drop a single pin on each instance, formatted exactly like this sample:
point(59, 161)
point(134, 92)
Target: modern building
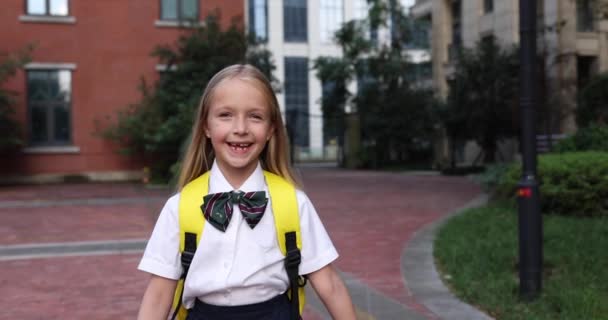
point(297, 32)
point(88, 60)
point(573, 39)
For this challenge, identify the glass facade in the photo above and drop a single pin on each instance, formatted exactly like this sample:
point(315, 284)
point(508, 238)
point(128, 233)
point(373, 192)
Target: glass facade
point(331, 17)
point(258, 19)
point(295, 23)
point(49, 97)
point(296, 100)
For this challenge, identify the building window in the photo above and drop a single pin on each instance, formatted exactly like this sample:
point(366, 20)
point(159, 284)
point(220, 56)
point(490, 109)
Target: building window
point(47, 7)
point(258, 19)
point(295, 23)
point(585, 70)
point(456, 44)
point(49, 96)
point(488, 6)
point(361, 12)
point(331, 18)
point(296, 100)
point(179, 10)
point(584, 16)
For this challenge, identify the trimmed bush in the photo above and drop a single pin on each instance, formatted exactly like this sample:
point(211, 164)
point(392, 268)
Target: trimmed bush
point(594, 137)
point(573, 183)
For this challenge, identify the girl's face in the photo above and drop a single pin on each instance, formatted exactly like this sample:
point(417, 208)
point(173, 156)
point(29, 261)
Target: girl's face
point(238, 125)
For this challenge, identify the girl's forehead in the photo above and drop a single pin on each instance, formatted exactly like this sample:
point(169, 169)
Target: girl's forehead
point(237, 81)
point(243, 89)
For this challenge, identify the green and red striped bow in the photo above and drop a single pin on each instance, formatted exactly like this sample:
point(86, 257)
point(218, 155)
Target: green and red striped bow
point(217, 207)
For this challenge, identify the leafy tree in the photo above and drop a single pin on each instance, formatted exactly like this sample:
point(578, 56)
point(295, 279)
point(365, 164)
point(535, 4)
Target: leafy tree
point(395, 119)
point(10, 131)
point(160, 123)
point(483, 96)
point(593, 102)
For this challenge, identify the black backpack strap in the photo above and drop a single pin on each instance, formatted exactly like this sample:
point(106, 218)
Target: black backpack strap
point(186, 259)
point(292, 263)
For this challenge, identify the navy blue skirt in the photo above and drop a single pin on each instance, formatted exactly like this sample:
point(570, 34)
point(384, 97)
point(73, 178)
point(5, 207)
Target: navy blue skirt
point(277, 308)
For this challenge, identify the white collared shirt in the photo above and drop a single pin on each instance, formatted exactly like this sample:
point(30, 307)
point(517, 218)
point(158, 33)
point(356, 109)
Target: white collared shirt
point(242, 265)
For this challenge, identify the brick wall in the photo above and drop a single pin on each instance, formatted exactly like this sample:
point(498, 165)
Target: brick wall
point(109, 43)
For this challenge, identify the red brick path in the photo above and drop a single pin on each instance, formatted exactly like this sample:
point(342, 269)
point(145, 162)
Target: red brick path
point(370, 217)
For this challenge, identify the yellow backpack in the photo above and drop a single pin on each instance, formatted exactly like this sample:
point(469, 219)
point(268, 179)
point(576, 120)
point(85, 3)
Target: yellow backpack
point(287, 225)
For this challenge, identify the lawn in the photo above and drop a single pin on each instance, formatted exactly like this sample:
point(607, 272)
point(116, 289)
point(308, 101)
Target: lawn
point(477, 255)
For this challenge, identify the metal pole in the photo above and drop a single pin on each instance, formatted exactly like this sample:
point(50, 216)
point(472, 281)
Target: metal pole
point(530, 219)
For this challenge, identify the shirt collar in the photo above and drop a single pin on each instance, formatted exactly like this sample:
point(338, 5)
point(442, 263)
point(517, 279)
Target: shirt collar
point(218, 182)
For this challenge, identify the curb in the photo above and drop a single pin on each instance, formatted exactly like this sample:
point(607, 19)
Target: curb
point(64, 249)
point(423, 280)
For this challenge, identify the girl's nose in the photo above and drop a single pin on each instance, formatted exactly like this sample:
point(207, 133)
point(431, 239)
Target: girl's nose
point(240, 125)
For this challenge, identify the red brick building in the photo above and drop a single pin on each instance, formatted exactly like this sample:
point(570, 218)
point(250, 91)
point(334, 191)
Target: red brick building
point(88, 60)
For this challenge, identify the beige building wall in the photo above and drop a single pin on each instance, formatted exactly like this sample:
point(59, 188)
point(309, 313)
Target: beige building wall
point(564, 49)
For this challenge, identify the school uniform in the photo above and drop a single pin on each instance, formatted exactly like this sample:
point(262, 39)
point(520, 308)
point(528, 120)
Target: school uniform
point(240, 266)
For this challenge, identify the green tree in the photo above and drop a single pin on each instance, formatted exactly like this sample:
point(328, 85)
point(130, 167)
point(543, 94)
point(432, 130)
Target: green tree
point(159, 124)
point(395, 119)
point(10, 131)
point(593, 102)
point(483, 96)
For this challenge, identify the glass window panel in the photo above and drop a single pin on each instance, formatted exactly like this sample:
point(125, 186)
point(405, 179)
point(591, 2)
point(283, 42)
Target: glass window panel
point(361, 9)
point(52, 84)
point(58, 7)
point(330, 18)
point(37, 85)
point(168, 9)
point(49, 94)
point(295, 20)
point(39, 129)
point(296, 99)
point(36, 7)
point(64, 78)
point(189, 9)
point(61, 124)
point(257, 18)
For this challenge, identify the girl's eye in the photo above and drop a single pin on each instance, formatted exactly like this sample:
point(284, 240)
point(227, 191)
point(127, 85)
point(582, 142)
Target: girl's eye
point(224, 115)
point(257, 116)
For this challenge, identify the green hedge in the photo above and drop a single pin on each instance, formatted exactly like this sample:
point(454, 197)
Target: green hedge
point(573, 183)
point(594, 137)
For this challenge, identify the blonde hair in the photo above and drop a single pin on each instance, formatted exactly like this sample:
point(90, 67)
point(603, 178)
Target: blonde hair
point(199, 155)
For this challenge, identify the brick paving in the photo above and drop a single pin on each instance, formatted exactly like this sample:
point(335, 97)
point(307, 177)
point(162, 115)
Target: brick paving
point(370, 215)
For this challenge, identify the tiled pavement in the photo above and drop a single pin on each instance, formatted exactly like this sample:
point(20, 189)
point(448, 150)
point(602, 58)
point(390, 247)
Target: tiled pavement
point(371, 217)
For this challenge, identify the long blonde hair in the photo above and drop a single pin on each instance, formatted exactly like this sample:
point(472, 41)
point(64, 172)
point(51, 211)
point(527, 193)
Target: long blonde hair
point(199, 155)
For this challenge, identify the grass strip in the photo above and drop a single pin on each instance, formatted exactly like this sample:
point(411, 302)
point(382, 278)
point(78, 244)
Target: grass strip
point(477, 254)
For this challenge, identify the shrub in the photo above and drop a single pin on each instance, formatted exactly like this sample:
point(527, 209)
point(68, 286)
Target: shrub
point(492, 176)
point(594, 137)
point(570, 183)
point(10, 130)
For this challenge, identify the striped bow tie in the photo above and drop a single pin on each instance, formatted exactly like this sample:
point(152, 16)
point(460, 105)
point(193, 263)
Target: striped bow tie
point(217, 207)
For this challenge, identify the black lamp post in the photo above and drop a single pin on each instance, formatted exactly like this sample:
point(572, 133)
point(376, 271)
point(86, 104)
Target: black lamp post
point(530, 219)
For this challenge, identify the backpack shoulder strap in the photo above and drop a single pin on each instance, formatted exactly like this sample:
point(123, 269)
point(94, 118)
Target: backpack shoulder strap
point(191, 223)
point(287, 225)
point(284, 208)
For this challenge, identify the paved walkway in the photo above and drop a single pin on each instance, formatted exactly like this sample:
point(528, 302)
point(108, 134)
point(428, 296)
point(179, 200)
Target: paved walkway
point(71, 251)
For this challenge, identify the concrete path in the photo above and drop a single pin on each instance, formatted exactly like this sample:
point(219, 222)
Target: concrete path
point(63, 247)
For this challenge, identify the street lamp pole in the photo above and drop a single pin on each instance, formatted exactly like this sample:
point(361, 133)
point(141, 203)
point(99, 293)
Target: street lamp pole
point(530, 219)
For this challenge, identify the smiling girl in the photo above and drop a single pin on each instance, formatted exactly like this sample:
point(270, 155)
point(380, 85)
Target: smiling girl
point(238, 270)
